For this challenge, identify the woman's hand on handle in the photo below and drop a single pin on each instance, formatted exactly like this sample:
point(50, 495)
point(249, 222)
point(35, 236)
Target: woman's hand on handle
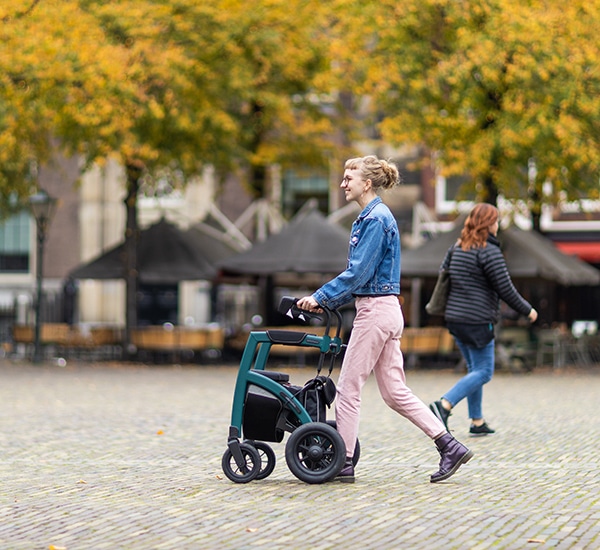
point(533, 314)
point(308, 303)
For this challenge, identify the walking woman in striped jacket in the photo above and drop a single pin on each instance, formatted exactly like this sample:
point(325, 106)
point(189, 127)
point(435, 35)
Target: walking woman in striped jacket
point(479, 279)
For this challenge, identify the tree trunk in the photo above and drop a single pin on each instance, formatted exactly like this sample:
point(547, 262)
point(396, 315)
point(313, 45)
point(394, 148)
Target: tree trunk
point(535, 207)
point(490, 190)
point(257, 178)
point(258, 172)
point(535, 196)
point(134, 172)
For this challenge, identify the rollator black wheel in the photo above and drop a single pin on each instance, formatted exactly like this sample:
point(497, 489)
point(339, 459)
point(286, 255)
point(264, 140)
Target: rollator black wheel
point(267, 458)
point(356, 455)
point(315, 452)
point(246, 472)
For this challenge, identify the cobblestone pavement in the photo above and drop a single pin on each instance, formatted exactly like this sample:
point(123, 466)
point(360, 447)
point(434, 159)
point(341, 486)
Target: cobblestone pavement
point(129, 457)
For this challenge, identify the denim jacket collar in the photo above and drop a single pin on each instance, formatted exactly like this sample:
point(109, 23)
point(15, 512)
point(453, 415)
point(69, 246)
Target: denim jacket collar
point(367, 209)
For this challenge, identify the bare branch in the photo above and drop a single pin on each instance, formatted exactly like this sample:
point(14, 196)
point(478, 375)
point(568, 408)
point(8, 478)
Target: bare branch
point(23, 13)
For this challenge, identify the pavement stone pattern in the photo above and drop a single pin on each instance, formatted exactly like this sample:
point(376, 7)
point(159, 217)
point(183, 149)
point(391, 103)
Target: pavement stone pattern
point(110, 456)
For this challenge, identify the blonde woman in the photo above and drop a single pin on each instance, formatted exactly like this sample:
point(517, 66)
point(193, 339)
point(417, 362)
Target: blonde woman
point(372, 278)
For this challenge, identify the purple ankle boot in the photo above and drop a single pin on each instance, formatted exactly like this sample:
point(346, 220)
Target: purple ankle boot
point(347, 473)
point(453, 455)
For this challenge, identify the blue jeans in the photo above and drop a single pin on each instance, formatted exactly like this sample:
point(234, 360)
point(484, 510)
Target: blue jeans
point(480, 367)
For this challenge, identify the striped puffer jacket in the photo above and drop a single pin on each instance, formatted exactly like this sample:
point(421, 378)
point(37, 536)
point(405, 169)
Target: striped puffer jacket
point(479, 279)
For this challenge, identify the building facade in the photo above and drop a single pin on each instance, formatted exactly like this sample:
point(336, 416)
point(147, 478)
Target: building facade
point(90, 219)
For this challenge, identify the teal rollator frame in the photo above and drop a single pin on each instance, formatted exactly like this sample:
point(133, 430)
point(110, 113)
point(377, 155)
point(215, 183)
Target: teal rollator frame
point(266, 405)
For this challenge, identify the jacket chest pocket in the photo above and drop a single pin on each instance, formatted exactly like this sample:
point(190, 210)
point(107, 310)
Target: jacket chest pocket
point(354, 238)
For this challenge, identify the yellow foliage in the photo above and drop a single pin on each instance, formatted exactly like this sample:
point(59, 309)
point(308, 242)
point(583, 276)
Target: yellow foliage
point(162, 82)
point(487, 84)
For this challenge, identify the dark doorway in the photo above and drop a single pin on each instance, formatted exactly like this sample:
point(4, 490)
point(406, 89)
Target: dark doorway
point(157, 304)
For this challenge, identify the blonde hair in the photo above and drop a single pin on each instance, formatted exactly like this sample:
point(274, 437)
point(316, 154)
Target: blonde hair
point(383, 174)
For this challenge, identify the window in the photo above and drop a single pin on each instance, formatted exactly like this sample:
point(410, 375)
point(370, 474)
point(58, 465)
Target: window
point(157, 304)
point(298, 187)
point(14, 244)
point(411, 174)
point(450, 192)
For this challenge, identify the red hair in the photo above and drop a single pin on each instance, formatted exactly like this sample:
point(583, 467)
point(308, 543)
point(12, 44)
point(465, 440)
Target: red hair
point(476, 229)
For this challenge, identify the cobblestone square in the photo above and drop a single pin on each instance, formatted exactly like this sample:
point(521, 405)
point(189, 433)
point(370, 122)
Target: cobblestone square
point(129, 457)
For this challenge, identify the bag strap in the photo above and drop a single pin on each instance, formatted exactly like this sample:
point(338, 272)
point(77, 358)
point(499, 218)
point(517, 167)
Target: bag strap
point(446, 265)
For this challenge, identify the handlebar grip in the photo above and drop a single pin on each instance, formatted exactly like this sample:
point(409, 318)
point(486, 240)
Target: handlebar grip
point(287, 306)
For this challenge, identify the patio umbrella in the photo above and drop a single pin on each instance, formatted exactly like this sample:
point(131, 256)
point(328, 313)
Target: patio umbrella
point(166, 255)
point(308, 244)
point(528, 255)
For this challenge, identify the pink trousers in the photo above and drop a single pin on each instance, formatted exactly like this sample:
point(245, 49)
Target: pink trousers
point(374, 346)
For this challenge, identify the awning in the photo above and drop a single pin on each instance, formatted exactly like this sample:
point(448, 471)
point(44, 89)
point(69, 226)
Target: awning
point(586, 251)
point(166, 255)
point(308, 244)
point(529, 255)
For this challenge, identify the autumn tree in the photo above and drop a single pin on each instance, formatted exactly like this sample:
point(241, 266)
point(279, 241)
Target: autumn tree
point(164, 86)
point(489, 86)
point(24, 121)
point(279, 77)
point(130, 80)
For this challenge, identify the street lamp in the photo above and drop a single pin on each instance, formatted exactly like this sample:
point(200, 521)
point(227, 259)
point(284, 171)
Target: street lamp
point(42, 208)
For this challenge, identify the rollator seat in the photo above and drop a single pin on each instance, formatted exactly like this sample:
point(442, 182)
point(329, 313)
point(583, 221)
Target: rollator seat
point(281, 377)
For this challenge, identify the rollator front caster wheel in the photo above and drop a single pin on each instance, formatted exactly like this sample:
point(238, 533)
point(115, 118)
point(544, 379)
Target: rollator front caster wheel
point(241, 473)
point(267, 458)
point(356, 455)
point(315, 452)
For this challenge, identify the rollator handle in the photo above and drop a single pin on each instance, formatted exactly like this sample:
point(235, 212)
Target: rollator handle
point(288, 307)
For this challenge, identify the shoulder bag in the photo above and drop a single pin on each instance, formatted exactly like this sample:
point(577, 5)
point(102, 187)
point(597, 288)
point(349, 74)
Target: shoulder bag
point(437, 302)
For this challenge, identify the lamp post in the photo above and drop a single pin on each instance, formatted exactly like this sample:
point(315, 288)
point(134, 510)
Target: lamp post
point(42, 208)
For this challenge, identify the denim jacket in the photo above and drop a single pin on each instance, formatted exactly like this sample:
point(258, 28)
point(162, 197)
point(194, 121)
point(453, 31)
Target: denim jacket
point(373, 267)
